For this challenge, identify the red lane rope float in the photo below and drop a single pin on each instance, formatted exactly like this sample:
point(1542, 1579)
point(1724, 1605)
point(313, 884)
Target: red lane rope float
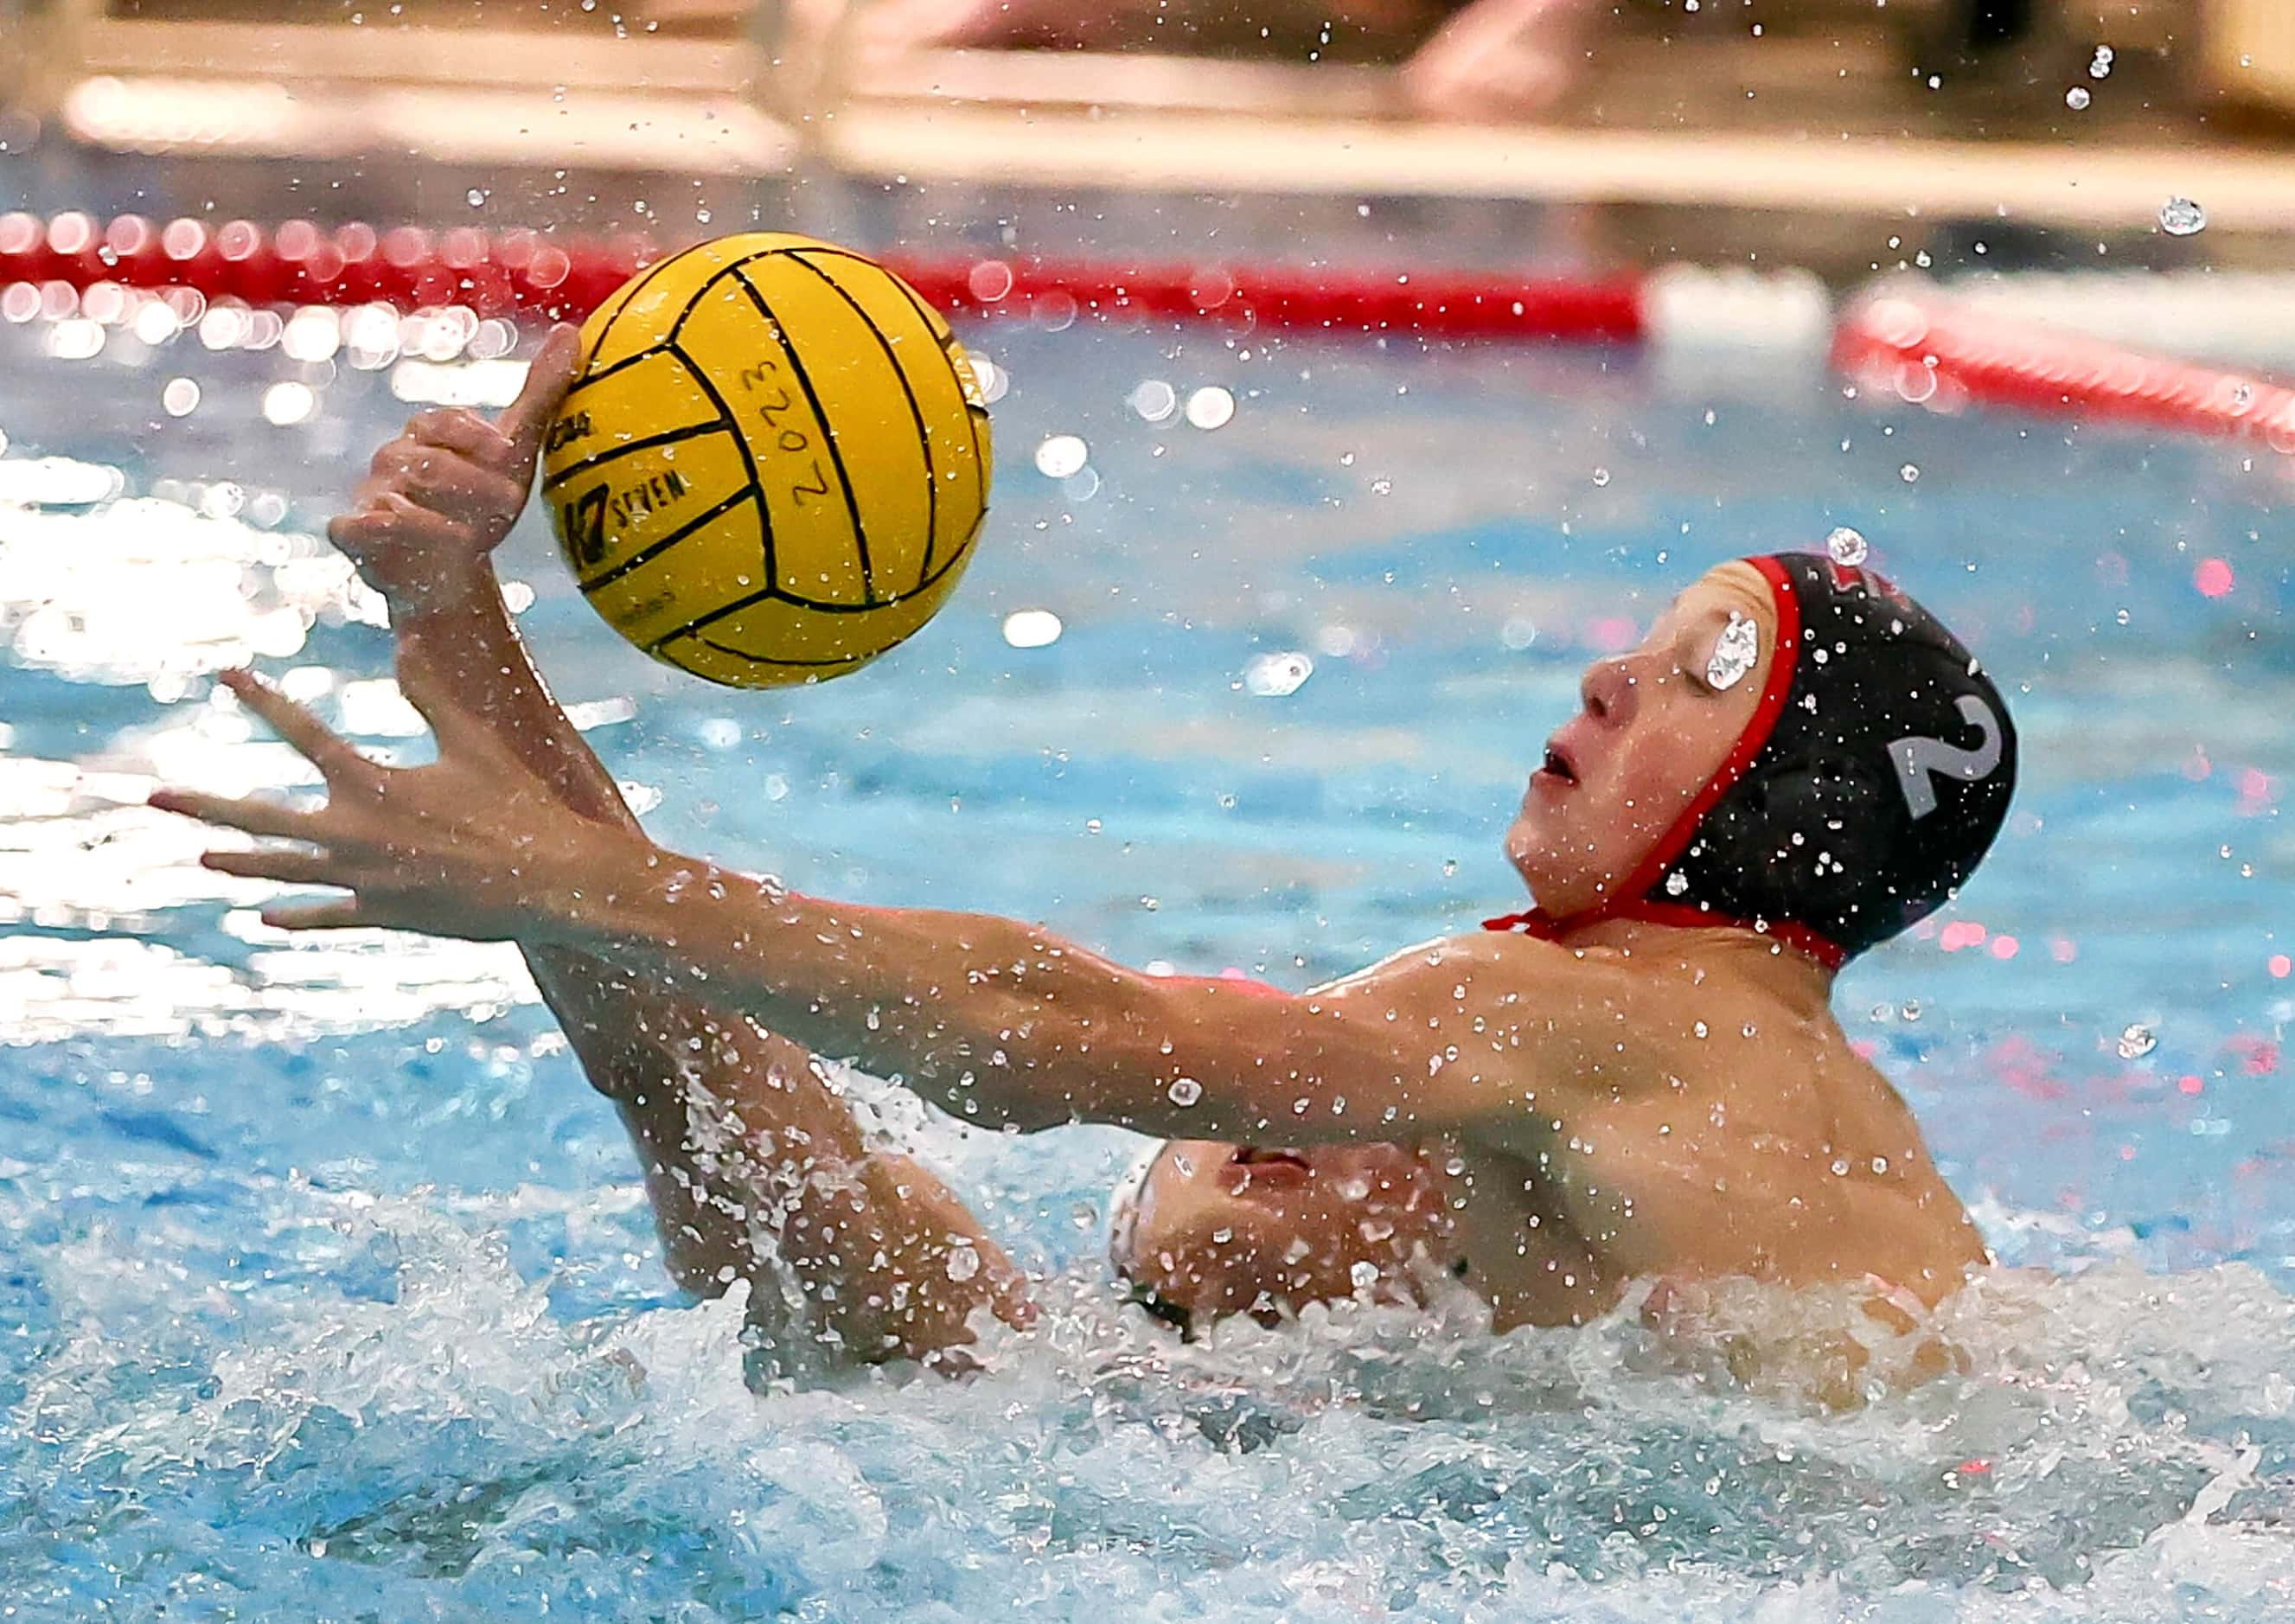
point(521, 272)
point(1934, 353)
point(301, 264)
point(1451, 306)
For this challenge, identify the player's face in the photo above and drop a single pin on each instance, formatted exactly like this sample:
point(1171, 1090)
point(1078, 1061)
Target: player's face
point(1652, 729)
point(1227, 1229)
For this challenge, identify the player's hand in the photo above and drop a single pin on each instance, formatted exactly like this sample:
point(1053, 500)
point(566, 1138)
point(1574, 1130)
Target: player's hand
point(473, 846)
point(441, 496)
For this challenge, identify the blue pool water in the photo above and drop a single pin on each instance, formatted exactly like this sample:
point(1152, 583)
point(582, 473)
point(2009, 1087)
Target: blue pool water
point(327, 1289)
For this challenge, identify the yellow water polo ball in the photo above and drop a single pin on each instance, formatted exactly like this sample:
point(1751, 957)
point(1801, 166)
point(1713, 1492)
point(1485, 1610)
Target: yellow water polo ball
point(773, 464)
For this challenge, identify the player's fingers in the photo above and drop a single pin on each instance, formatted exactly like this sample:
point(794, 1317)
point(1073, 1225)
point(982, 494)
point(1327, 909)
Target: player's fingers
point(547, 380)
point(249, 816)
point(313, 739)
point(286, 865)
point(338, 913)
point(461, 431)
point(446, 480)
point(388, 515)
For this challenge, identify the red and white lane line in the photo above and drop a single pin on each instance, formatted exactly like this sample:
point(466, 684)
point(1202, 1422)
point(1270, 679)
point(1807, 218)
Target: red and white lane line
point(2008, 341)
point(1932, 349)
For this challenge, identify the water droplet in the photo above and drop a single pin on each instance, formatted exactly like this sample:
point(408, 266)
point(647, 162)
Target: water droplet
point(1675, 882)
point(1153, 399)
point(2182, 217)
point(1031, 628)
point(1084, 1215)
point(1910, 1010)
point(1735, 652)
point(1450, 867)
point(1848, 547)
point(1381, 487)
point(963, 1261)
point(1699, 1027)
point(2077, 98)
point(285, 404)
point(1879, 1164)
point(1185, 1092)
point(2137, 1040)
point(2242, 395)
point(989, 281)
point(1839, 1167)
point(2100, 66)
point(181, 398)
point(476, 197)
point(1061, 456)
point(1273, 676)
point(1376, 1229)
point(1364, 1274)
point(1909, 472)
point(1601, 475)
point(1519, 632)
point(1211, 407)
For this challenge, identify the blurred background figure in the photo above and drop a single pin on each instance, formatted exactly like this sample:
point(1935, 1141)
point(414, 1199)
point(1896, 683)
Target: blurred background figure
point(1957, 68)
point(1499, 59)
point(1592, 60)
point(1482, 59)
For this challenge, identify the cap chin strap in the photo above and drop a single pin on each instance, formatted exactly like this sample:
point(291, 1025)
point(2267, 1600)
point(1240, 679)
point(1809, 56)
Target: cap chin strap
point(1546, 928)
point(1635, 898)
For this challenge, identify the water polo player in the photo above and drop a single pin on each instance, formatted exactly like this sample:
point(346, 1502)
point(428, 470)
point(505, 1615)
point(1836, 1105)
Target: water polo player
point(1640, 1077)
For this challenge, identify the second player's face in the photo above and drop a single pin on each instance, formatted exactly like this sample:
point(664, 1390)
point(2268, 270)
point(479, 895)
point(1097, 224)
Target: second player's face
point(1227, 1229)
point(1652, 728)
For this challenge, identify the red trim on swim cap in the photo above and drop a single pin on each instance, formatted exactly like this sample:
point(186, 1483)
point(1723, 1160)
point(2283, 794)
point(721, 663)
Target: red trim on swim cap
point(1778, 684)
point(1543, 926)
point(1632, 899)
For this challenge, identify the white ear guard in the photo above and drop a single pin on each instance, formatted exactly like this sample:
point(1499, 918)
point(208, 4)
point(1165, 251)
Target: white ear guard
point(1124, 1206)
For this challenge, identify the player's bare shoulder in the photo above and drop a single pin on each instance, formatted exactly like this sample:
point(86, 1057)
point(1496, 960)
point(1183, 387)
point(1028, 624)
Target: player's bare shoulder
point(1519, 1036)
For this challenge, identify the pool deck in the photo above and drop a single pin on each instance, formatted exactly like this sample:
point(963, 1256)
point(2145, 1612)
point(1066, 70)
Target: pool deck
point(1833, 170)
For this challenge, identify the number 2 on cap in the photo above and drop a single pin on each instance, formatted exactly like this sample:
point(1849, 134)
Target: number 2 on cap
point(1917, 757)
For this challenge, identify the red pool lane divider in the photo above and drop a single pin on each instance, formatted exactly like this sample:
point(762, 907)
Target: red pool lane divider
point(1927, 350)
point(502, 273)
point(1931, 352)
point(528, 273)
point(1451, 306)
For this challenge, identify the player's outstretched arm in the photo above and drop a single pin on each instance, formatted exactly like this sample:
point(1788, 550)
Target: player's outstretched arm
point(1005, 1022)
point(999, 1019)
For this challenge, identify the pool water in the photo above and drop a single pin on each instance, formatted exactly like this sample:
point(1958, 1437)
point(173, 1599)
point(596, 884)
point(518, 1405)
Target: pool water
point(330, 1290)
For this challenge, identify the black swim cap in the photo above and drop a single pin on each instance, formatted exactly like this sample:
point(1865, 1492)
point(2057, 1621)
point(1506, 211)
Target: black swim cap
point(1875, 774)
